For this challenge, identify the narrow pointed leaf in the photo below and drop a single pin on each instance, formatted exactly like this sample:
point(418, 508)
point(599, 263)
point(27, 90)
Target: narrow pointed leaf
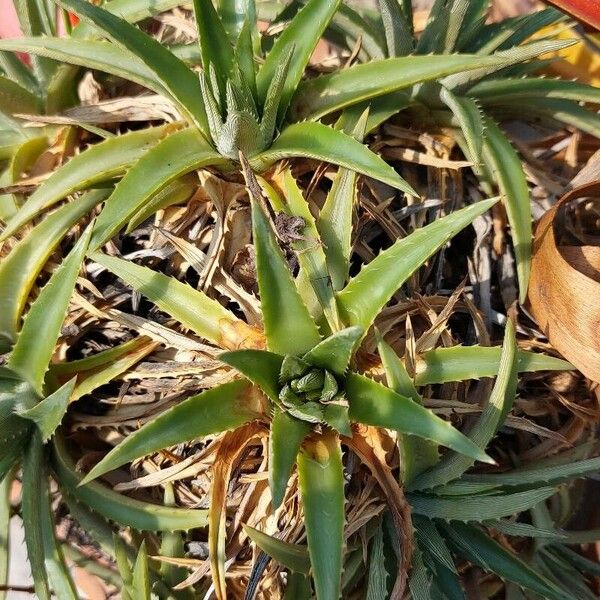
point(181, 82)
point(374, 404)
point(45, 555)
point(301, 35)
point(174, 156)
point(329, 93)
point(214, 43)
point(483, 551)
point(473, 362)
point(192, 308)
point(286, 436)
point(5, 515)
point(477, 508)
point(469, 117)
point(298, 587)
point(33, 350)
point(504, 163)
point(293, 556)
point(321, 478)
point(289, 328)
point(430, 540)
point(309, 250)
point(225, 407)
point(335, 352)
point(499, 404)
point(19, 270)
point(138, 514)
point(233, 15)
point(259, 366)
point(140, 583)
point(367, 293)
point(335, 219)
point(91, 54)
point(317, 141)
point(98, 163)
point(398, 30)
point(49, 412)
point(417, 454)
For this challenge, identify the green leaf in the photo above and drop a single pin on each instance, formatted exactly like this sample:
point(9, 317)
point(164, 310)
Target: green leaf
point(181, 82)
point(298, 587)
point(285, 439)
point(140, 584)
point(321, 480)
point(16, 99)
point(367, 293)
point(100, 55)
point(41, 328)
point(99, 163)
point(291, 556)
point(504, 163)
point(473, 362)
point(329, 93)
point(174, 156)
point(138, 514)
point(319, 142)
point(469, 117)
point(5, 514)
point(514, 528)
point(419, 580)
point(18, 270)
point(532, 476)
point(499, 404)
point(233, 15)
point(374, 404)
point(288, 325)
point(300, 36)
point(417, 454)
point(430, 540)
point(335, 218)
point(335, 352)
point(477, 508)
point(192, 308)
point(483, 551)
point(497, 91)
point(225, 407)
point(215, 48)
point(48, 567)
point(378, 575)
point(49, 412)
point(259, 366)
point(16, 70)
point(398, 29)
point(310, 253)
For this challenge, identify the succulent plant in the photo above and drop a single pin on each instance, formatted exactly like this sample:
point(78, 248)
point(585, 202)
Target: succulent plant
point(300, 374)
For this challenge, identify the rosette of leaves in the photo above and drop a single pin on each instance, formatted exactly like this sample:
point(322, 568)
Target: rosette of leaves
point(306, 384)
point(470, 104)
point(247, 97)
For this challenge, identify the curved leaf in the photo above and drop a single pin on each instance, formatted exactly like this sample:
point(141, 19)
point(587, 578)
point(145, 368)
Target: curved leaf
point(98, 163)
point(140, 515)
point(417, 454)
point(473, 362)
point(48, 413)
point(289, 328)
point(483, 551)
point(285, 439)
point(99, 55)
point(174, 156)
point(16, 99)
point(293, 556)
point(181, 82)
point(504, 163)
point(335, 352)
point(321, 479)
point(374, 404)
point(259, 366)
point(225, 407)
point(48, 567)
point(18, 270)
point(192, 308)
point(499, 404)
point(34, 347)
point(367, 293)
point(477, 508)
point(329, 93)
point(317, 141)
point(300, 36)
